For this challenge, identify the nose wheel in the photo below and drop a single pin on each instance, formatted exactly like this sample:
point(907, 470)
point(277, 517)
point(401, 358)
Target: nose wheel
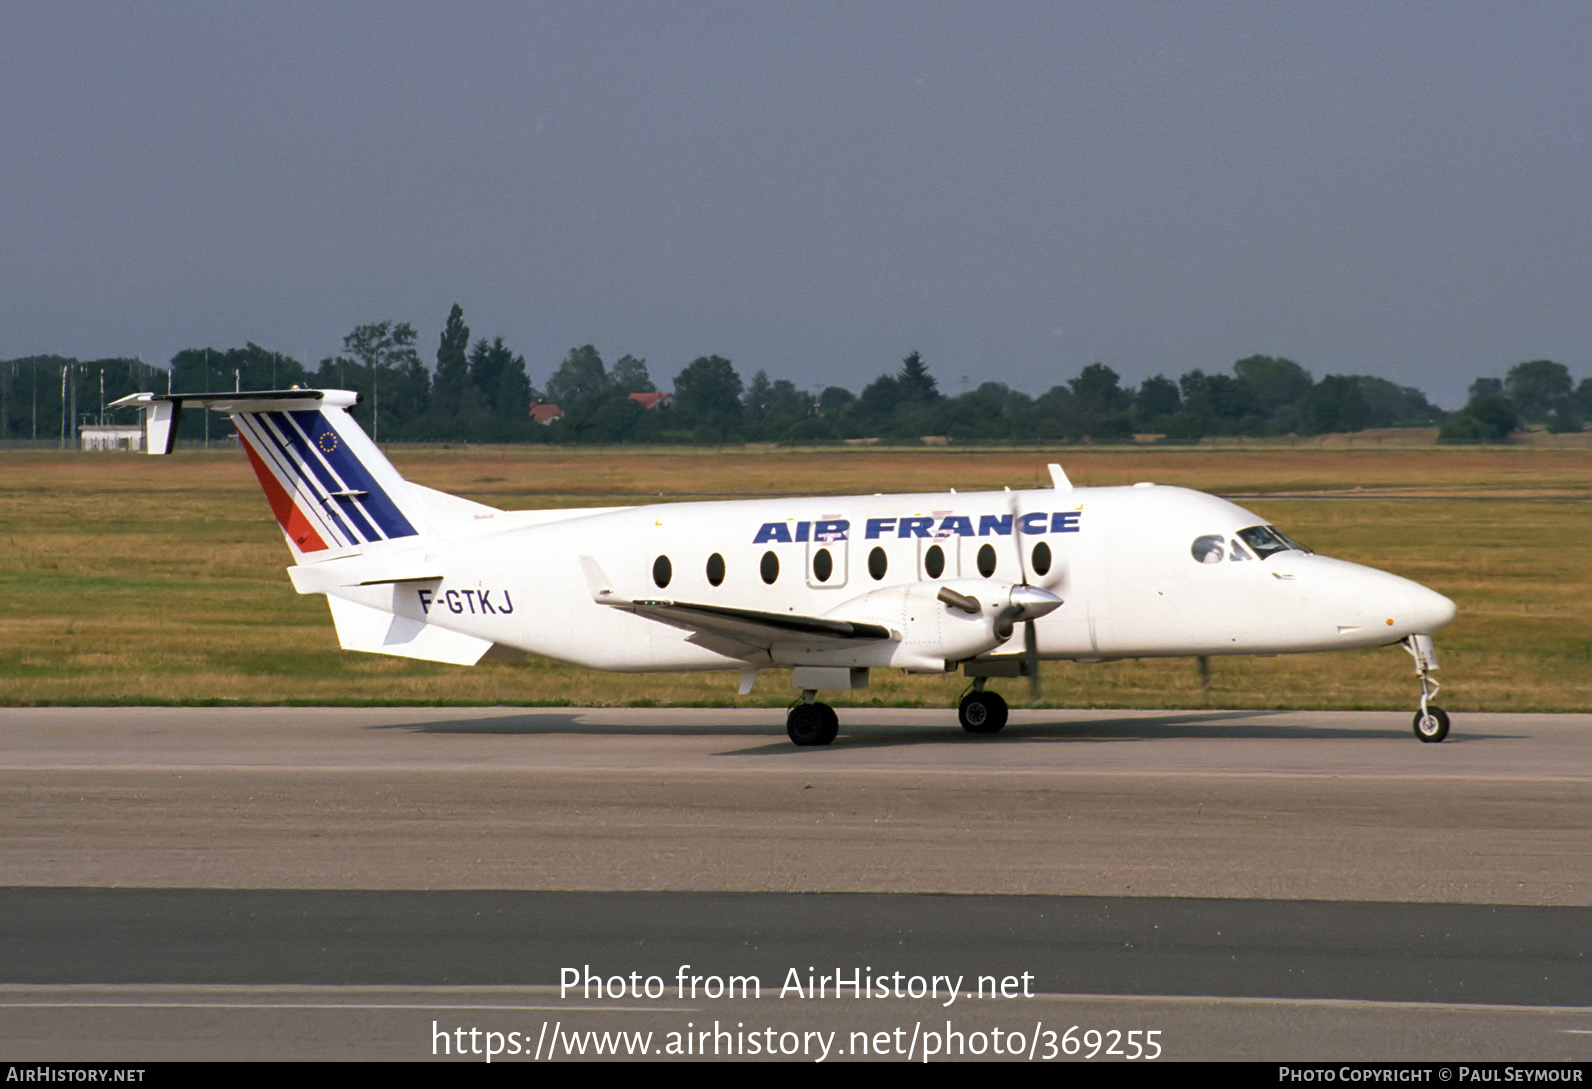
point(1431, 721)
point(1431, 724)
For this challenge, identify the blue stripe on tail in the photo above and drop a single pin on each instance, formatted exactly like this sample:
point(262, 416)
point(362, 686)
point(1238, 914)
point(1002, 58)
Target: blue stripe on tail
point(318, 480)
point(376, 502)
point(279, 435)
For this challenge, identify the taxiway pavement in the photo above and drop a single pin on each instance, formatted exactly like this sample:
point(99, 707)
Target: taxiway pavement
point(1264, 884)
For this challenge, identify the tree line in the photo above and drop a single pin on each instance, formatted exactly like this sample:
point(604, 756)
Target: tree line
point(481, 391)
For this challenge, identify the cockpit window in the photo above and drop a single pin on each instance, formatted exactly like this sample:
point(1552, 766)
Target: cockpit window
point(1209, 548)
point(1289, 541)
point(1267, 541)
point(1237, 552)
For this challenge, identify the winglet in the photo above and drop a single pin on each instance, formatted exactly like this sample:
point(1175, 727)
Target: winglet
point(160, 420)
point(1058, 479)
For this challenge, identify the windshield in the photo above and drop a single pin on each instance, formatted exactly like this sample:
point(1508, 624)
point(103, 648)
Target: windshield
point(1267, 541)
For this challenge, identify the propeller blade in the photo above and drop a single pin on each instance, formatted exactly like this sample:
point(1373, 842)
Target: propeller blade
point(1017, 539)
point(1031, 659)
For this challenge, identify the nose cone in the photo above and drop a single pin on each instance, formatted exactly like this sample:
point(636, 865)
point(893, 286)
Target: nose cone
point(1408, 608)
point(1426, 610)
point(1370, 607)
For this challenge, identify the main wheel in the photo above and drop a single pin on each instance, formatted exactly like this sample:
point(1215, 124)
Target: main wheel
point(1432, 724)
point(812, 724)
point(982, 713)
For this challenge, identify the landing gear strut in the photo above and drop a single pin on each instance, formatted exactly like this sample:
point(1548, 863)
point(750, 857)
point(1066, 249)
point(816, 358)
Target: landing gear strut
point(1431, 721)
point(810, 722)
point(981, 712)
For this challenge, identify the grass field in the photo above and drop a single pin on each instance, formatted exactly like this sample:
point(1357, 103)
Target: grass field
point(128, 579)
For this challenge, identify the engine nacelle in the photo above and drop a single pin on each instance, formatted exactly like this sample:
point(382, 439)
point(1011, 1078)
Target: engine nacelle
point(942, 623)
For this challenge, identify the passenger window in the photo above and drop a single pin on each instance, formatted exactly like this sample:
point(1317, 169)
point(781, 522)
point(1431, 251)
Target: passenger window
point(715, 569)
point(1041, 559)
point(823, 565)
point(662, 571)
point(1209, 549)
point(877, 563)
point(934, 562)
point(769, 568)
point(986, 560)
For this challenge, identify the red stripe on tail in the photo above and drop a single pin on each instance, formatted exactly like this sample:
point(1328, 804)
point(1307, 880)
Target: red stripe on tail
point(288, 516)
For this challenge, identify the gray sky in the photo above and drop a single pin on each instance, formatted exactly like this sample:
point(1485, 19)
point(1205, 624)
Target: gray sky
point(1015, 190)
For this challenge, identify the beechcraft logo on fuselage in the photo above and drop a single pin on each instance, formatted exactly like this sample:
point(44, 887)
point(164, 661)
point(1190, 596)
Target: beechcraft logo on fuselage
point(938, 525)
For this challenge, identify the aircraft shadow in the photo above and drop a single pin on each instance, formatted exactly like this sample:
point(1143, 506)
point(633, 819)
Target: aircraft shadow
point(1114, 729)
point(545, 723)
point(1106, 727)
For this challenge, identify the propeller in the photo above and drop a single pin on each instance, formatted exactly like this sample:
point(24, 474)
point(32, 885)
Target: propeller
point(1028, 604)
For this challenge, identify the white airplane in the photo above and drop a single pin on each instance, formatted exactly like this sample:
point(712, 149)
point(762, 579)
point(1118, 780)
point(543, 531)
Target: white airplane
point(990, 583)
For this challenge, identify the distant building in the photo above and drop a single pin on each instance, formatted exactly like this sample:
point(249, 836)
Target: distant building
point(546, 414)
point(653, 400)
point(110, 437)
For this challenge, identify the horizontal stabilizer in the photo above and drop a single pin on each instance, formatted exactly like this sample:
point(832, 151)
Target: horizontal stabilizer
point(363, 570)
point(163, 410)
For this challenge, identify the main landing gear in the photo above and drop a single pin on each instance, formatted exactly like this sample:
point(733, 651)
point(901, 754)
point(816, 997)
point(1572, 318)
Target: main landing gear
point(981, 712)
point(810, 722)
point(1431, 721)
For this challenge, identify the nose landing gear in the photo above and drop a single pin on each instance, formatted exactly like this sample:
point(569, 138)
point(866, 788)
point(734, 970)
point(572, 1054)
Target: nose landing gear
point(1431, 721)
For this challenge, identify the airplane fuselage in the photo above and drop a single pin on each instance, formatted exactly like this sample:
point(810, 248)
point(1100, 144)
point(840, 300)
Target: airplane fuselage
point(1119, 558)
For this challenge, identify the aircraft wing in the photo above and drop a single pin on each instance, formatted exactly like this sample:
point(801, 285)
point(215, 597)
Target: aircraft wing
point(752, 626)
point(749, 627)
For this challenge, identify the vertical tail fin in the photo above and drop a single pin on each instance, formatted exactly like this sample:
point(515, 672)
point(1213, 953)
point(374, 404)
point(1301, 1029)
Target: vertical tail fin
point(332, 491)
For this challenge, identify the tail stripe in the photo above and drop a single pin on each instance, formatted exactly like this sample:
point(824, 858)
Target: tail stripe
point(376, 502)
point(296, 454)
point(332, 477)
point(292, 476)
point(298, 528)
point(300, 453)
